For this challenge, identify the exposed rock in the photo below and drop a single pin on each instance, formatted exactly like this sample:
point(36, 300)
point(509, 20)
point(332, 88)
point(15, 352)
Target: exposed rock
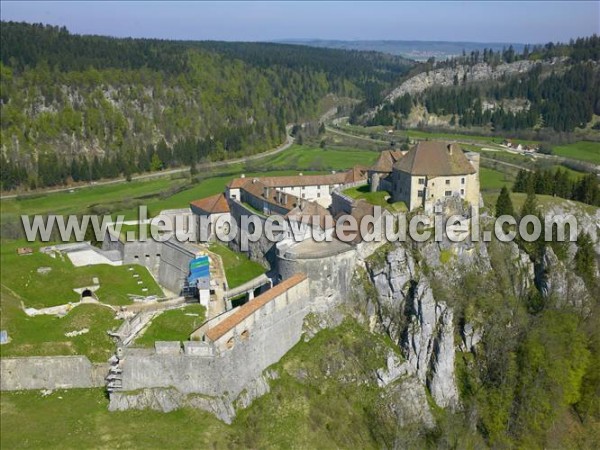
point(555, 281)
point(169, 399)
point(445, 76)
point(423, 327)
point(408, 403)
point(395, 368)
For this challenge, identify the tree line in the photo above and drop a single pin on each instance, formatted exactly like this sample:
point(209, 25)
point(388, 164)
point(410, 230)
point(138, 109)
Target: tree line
point(558, 182)
point(67, 100)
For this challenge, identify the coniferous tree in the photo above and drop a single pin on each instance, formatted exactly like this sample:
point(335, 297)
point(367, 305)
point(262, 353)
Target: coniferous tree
point(504, 205)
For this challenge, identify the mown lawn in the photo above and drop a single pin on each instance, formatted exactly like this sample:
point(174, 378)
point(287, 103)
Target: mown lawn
point(582, 150)
point(238, 267)
point(173, 325)
point(19, 273)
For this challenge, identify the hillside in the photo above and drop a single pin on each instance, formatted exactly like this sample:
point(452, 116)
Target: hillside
point(551, 89)
point(89, 107)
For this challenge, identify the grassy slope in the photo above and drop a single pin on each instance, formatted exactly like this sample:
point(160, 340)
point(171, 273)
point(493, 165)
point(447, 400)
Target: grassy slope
point(174, 325)
point(490, 179)
point(44, 335)
point(582, 150)
point(238, 268)
point(309, 406)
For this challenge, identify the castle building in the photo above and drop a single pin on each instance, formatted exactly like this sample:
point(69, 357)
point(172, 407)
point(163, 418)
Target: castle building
point(432, 171)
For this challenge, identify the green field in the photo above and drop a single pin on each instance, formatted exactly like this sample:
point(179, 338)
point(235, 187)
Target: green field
point(19, 274)
point(173, 325)
point(490, 179)
point(316, 159)
point(582, 150)
point(45, 335)
point(238, 268)
point(168, 193)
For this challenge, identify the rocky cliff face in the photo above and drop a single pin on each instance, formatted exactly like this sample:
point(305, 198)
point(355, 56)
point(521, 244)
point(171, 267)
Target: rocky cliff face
point(445, 77)
point(421, 325)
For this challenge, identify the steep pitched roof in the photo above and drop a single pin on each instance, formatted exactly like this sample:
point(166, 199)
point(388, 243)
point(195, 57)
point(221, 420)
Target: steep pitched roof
point(213, 204)
point(252, 306)
point(434, 158)
point(357, 173)
point(386, 160)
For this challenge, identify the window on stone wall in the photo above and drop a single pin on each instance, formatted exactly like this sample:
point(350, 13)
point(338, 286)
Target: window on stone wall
point(448, 193)
point(420, 193)
point(447, 181)
point(462, 192)
point(230, 343)
point(421, 180)
point(245, 335)
point(462, 181)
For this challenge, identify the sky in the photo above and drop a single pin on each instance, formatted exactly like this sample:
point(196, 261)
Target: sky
point(485, 21)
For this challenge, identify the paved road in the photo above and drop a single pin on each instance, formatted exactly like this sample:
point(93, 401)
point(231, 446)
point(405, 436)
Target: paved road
point(288, 143)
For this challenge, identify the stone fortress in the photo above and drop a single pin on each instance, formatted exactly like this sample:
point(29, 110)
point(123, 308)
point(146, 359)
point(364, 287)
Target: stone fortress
point(224, 363)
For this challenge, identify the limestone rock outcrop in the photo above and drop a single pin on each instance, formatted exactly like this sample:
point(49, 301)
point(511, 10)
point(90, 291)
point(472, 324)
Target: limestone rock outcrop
point(421, 325)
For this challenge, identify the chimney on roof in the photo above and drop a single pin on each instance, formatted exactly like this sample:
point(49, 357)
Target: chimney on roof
point(284, 198)
point(450, 149)
point(266, 192)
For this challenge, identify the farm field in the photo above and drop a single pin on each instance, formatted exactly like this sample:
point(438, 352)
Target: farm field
point(173, 325)
point(490, 179)
point(583, 150)
point(168, 193)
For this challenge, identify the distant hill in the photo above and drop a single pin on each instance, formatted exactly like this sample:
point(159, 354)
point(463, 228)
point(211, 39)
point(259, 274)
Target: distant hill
point(78, 107)
point(417, 50)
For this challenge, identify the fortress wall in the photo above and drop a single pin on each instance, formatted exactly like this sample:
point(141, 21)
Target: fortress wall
point(273, 330)
point(340, 203)
point(50, 372)
point(263, 250)
point(330, 276)
point(145, 253)
point(173, 265)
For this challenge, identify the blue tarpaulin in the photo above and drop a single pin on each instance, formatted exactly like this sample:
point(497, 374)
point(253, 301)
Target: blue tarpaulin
point(199, 270)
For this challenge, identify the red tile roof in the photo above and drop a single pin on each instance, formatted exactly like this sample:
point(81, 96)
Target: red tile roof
point(213, 204)
point(386, 160)
point(246, 310)
point(434, 158)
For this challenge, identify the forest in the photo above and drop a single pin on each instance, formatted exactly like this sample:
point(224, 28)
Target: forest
point(81, 108)
point(561, 100)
